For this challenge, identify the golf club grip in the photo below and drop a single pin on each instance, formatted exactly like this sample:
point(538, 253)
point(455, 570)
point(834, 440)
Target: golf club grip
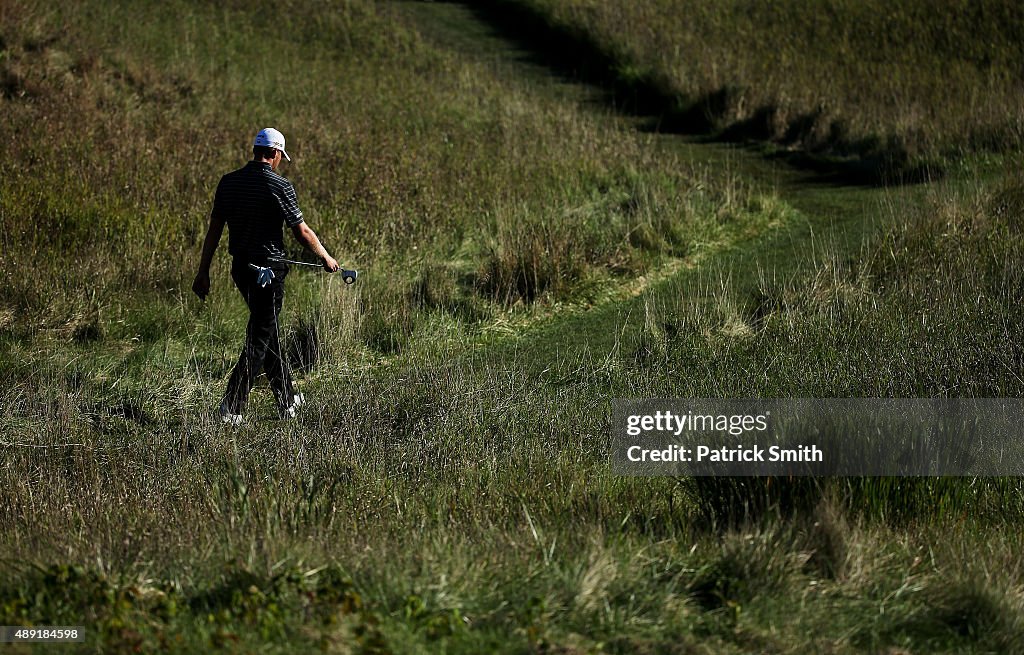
point(348, 275)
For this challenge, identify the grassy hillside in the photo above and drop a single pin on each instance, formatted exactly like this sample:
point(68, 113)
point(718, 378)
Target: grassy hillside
point(448, 489)
point(403, 156)
point(898, 83)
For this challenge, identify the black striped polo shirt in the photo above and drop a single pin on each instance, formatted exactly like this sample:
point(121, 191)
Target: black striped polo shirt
point(255, 202)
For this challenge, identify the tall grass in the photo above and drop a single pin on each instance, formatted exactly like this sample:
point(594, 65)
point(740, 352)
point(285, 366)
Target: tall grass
point(402, 153)
point(899, 82)
point(928, 309)
point(446, 501)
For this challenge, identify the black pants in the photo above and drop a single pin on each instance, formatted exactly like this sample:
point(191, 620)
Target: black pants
point(262, 349)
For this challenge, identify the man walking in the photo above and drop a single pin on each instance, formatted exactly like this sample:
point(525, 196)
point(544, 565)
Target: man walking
point(255, 202)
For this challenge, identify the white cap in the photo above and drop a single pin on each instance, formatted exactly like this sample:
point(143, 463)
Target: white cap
point(268, 137)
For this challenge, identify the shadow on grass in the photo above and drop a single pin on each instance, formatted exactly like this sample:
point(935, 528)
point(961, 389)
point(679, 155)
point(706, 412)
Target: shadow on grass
point(965, 616)
point(639, 91)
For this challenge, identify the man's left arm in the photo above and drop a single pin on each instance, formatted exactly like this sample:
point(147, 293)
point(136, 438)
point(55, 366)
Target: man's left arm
point(201, 285)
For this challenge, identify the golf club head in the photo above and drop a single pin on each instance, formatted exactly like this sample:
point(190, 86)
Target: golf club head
point(349, 276)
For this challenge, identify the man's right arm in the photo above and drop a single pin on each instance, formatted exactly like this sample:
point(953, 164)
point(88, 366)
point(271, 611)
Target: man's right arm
point(307, 237)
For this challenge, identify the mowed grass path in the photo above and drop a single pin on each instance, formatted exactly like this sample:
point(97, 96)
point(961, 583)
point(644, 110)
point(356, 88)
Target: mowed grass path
point(893, 84)
point(816, 214)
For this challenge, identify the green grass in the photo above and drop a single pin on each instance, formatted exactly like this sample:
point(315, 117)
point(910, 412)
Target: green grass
point(403, 153)
point(901, 84)
point(525, 257)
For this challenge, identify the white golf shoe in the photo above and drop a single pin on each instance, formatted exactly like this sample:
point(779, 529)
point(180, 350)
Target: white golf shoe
point(227, 417)
point(298, 400)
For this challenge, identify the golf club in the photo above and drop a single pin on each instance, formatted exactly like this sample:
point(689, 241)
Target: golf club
point(348, 275)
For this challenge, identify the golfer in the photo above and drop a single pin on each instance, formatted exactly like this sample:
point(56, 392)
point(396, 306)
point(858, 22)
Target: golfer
point(255, 202)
